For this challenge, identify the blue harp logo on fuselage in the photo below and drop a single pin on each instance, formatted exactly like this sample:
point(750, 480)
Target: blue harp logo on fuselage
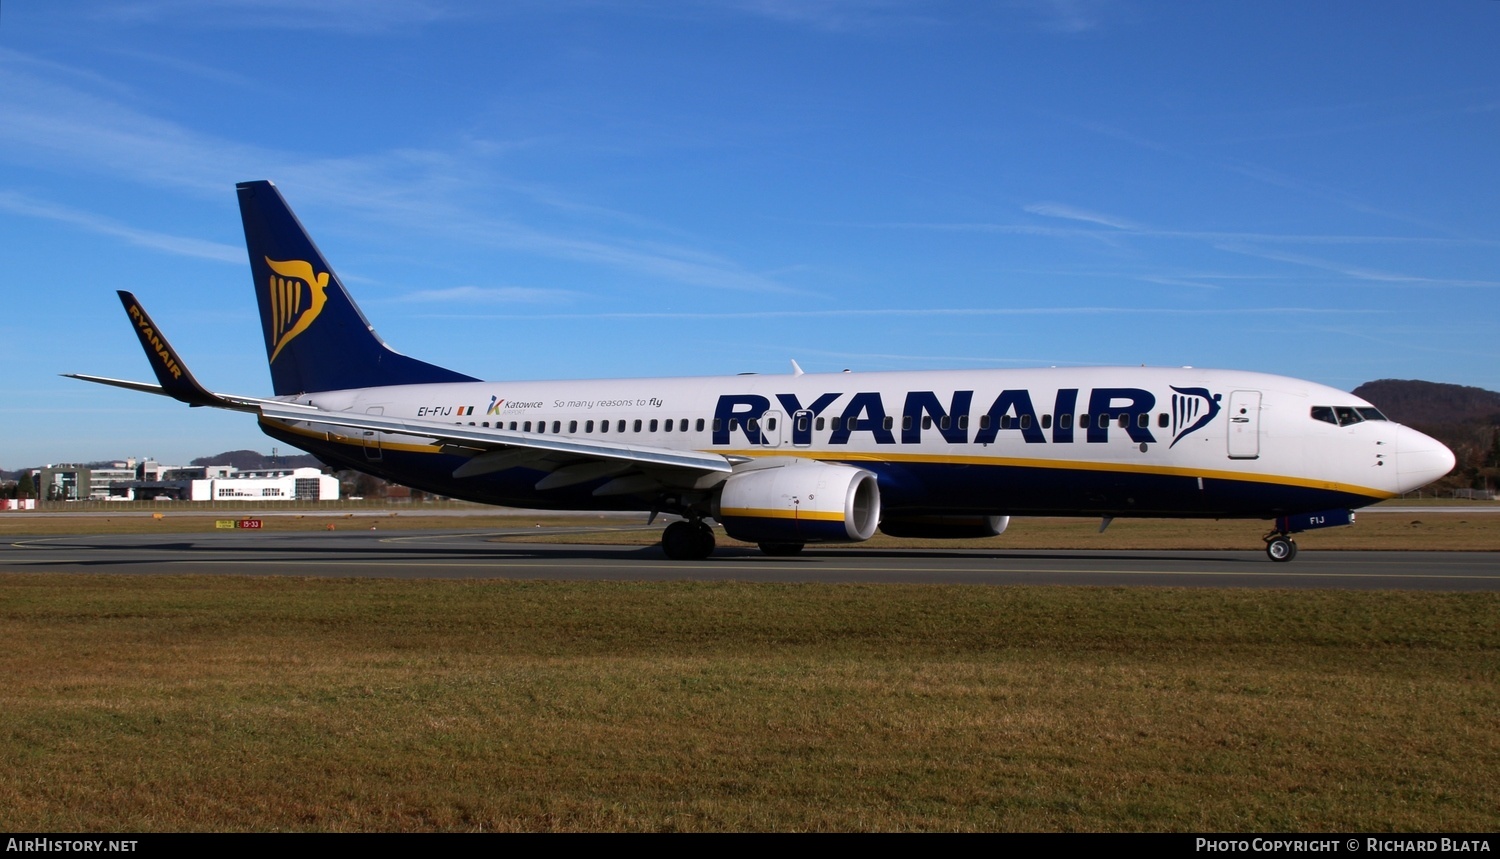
point(297, 297)
point(1192, 410)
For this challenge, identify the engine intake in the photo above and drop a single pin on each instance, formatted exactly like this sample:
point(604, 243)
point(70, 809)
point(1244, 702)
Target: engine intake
point(800, 502)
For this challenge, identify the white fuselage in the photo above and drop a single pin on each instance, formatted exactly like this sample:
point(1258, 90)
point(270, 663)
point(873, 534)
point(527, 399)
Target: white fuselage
point(1081, 441)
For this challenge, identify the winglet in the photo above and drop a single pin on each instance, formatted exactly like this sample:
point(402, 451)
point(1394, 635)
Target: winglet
point(176, 381)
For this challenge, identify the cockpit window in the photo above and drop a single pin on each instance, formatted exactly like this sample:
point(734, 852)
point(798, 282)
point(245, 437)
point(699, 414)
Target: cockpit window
point(1345, 415)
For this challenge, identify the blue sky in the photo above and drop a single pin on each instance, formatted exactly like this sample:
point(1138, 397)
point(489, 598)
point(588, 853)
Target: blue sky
point(536, 190)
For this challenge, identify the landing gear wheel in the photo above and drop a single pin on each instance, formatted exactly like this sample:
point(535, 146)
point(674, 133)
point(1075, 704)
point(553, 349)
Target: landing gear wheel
point(687, 541)
point(781, 550)
point(705, 539)
point(1281, 549)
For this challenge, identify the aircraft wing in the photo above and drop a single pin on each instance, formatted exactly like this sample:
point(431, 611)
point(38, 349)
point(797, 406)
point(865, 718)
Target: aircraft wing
point(198, 398)
point(486, 439)
point(568, 460)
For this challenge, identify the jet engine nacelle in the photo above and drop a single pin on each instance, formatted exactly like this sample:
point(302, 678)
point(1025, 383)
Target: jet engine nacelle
point(944, 527)
point(800, 502)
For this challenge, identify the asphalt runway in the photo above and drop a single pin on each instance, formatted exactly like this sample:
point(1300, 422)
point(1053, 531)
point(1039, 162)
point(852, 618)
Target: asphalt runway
point(478, 554)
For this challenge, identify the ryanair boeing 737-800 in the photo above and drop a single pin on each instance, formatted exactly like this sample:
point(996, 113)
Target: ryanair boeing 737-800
point(783, 461)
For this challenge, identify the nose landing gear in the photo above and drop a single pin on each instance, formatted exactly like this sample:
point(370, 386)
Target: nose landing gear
point(1280, 547)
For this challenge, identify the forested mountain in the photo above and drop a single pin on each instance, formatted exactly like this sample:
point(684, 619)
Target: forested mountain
point(249, 460)
point(1414, 402)
point(1466, 419)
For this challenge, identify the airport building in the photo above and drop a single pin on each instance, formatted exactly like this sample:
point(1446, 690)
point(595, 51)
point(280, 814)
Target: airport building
point(286, 484)
point(149, 480)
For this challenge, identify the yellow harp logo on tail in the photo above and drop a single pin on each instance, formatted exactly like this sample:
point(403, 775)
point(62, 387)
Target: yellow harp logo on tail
point(297, 297)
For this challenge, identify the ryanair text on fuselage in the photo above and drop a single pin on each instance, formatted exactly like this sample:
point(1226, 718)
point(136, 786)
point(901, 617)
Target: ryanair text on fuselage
point(1126, 409)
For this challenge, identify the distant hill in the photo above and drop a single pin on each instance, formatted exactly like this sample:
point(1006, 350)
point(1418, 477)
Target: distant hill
point(1464, 418)
point(249, 460)
point(1414, 402)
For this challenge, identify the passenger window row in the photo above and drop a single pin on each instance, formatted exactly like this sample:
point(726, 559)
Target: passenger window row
point(601, 427)
point(1064, 421)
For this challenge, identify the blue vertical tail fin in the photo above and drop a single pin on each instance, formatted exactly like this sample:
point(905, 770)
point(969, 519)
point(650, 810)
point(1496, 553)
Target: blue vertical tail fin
point(316, 337)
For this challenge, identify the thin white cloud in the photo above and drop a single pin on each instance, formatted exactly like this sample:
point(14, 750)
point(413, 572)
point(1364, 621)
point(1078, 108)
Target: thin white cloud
point(45, 122)
point(1356, 117)
point(944, 311)
point(1072, 213)
point(1123, 228)
point(191, 69)
point(489, 295)
point(374, 17)
point(41, 66)
point(18, 204)
point(1120, 134)
point(837, 16)
point(1262, 174)
point(1065, 16)
point(900, 359)
point(1354, 272)
point(354, 17)
point(1322, 192)
point(1177, 281)
point(1408, 340)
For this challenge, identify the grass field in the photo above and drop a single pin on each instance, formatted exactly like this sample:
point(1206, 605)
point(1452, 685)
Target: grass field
point(226, 703)
point(166, 703)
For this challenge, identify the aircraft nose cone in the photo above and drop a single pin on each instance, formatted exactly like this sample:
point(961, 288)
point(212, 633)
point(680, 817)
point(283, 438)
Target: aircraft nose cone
point(1420, 459)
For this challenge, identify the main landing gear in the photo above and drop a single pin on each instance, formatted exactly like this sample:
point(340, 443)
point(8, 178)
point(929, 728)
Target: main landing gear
point(688, 540)
point(1280, 547)
point(693, 540)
